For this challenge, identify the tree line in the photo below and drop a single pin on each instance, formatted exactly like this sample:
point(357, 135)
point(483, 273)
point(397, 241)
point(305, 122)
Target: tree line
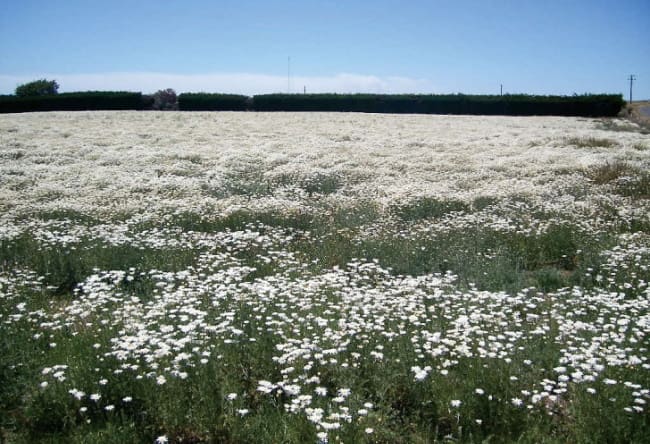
point(42, 95)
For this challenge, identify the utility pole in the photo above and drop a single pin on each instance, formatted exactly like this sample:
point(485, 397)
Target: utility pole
point(632, 78)
point(502, 89)
point(289, 75)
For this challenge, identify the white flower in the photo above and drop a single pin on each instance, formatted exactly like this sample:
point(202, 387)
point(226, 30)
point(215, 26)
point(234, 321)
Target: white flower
point(161, 380)
point(242, 412)
point(455, 403)
point(95, 397)
point(162, 439)
point(369, 430)
point(345, 392)
point(78, 394)
point(265, 386)
point(231, 396)
point(109, 407)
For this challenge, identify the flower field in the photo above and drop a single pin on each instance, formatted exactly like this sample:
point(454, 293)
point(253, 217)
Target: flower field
point(323, 277)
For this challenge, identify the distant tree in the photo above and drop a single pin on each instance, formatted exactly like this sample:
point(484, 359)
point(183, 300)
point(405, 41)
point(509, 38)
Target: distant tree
point(165, 100)
point(41, 87)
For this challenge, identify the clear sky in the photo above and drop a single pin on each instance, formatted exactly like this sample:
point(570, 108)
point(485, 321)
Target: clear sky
point(387, 46)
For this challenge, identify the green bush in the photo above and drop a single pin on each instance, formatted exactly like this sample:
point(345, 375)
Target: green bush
point(212, 102)
point(41, 87)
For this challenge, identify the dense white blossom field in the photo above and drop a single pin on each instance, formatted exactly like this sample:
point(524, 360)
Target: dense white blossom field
point(323, 277)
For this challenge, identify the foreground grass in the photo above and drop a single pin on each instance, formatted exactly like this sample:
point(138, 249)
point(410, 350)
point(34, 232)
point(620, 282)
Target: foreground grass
point(432, 322)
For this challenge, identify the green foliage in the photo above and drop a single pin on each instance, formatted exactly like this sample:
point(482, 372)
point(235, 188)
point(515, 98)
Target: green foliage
point(490, 259)
point(520, 104)
point(321, 183)
point(212, 102)
point(586, 105)
point(609, 172)
point(590, 142)
point(41, 87)
point(427, 207)
point(63, 269)
point(147, 102)
point(637, 187)
point(196, 408)
point(78, 101)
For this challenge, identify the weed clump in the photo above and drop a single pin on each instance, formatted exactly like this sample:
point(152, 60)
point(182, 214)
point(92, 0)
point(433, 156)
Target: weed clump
point(609, 172)
point(590, 142)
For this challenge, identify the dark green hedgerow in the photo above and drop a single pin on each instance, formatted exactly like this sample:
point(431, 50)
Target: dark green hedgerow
point(77, 101)
point(518, 104)
point(592, 105)
point(212, 102)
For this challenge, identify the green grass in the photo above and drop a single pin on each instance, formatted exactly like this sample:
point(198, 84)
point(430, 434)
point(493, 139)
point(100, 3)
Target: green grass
point(253, 182)
point(637, 187)
point(63, 269)
point(427, 207)
point(610, 171)
point(624, 126)
point(517, 280)
point(492, 260)
point(590, 142)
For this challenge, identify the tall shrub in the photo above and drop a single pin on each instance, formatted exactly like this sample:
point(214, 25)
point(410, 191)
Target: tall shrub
point(165, 100)
point(42, 87)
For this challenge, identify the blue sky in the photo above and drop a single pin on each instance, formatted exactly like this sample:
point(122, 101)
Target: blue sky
point(242, 46)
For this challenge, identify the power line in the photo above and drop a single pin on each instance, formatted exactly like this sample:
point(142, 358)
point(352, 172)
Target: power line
point(289, 75)
point(632, 78)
